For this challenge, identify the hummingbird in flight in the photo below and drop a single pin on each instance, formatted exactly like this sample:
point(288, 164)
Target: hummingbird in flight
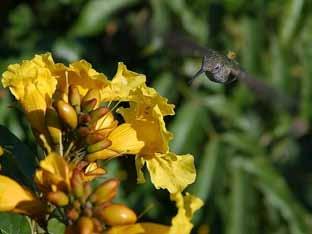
point(225, 70)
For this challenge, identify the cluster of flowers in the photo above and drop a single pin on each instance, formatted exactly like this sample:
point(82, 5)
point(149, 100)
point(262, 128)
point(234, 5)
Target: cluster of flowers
point(79, 117)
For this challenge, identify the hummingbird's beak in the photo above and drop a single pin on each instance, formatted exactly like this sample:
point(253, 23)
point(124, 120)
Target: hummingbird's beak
point(196, 75)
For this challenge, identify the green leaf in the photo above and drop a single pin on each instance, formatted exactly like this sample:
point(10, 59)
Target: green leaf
point(189, 19)
point(207, 169)
point(188, 128)
point(277, 192)
point(55, 226)
point(243, 202)
point(96, 14)
point(164, 84)
point(14, 224)
point(20, 163)
point(290, 20)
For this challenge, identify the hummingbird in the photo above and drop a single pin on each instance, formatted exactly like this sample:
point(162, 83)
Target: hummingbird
point(225, 70)
point(218, 68)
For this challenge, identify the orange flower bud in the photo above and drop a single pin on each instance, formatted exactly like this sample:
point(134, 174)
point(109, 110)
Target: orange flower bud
point(98, 227)
point(97, 114)
point(54, 126)
point(99, 146)
point(117, 214)
point(83, 131)
point(77, 184)
point(89, 105)
point(85, 225)
point(94, 137)
point(67, 114)
point(72, 214)
point(105, 192)
point(58, 198)
point(84, 118)
point(87, 191)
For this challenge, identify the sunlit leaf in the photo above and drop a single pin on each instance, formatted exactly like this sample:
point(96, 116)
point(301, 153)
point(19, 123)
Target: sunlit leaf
point(14, 224)
point(96, 14)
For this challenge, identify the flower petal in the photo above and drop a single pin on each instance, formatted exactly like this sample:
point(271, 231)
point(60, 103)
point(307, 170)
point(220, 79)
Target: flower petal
point(123, 82)
point(82, 75)
point(187, 205)
point(171, 172)
point(140, 228)
point(149, 124)
point(54, 173)
point(124, 141)
point(149, 97)
point(33, 84)
point(14, 197)
point(139, 164)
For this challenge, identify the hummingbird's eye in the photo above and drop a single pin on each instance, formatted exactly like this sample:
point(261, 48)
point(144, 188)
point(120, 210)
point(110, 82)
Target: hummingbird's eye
point(216, 68)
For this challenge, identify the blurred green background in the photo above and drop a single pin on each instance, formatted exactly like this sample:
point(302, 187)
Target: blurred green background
point(253, 159)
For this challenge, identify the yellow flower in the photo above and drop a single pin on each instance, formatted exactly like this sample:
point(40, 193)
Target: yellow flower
point(122, 84)
point(1, 150)
point(123, 141)
point(54, 174)
point(187, 205)
point(167, 170)
point(92, 171)
point(180, 224)
point(16, 198)
point(82, 75)
point(33, 84)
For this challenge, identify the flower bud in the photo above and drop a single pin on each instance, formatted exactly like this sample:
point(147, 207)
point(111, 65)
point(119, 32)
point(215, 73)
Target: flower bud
point(54, 126)
point(117, 214)
point(97, 114)
point(89, 105)
point(72, 214)
point(85, 225)
point(102, 155)
point(98, 227)
point(84, 119)
point(87, 191)
point(83, 131)
point(103, 144)
point(74, 97)
point(92, 94)
point(94, 138)
point(67, 114)
point(58, 198)
point(105, 192)
point(76, 205)
point(77, 184)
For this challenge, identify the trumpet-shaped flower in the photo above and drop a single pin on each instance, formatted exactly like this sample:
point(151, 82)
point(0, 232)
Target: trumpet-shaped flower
point(33, 84)
point(167, 170)
point(54, 174)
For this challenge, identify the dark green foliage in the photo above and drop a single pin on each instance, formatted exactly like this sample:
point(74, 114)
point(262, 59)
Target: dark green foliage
point(253, 158)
